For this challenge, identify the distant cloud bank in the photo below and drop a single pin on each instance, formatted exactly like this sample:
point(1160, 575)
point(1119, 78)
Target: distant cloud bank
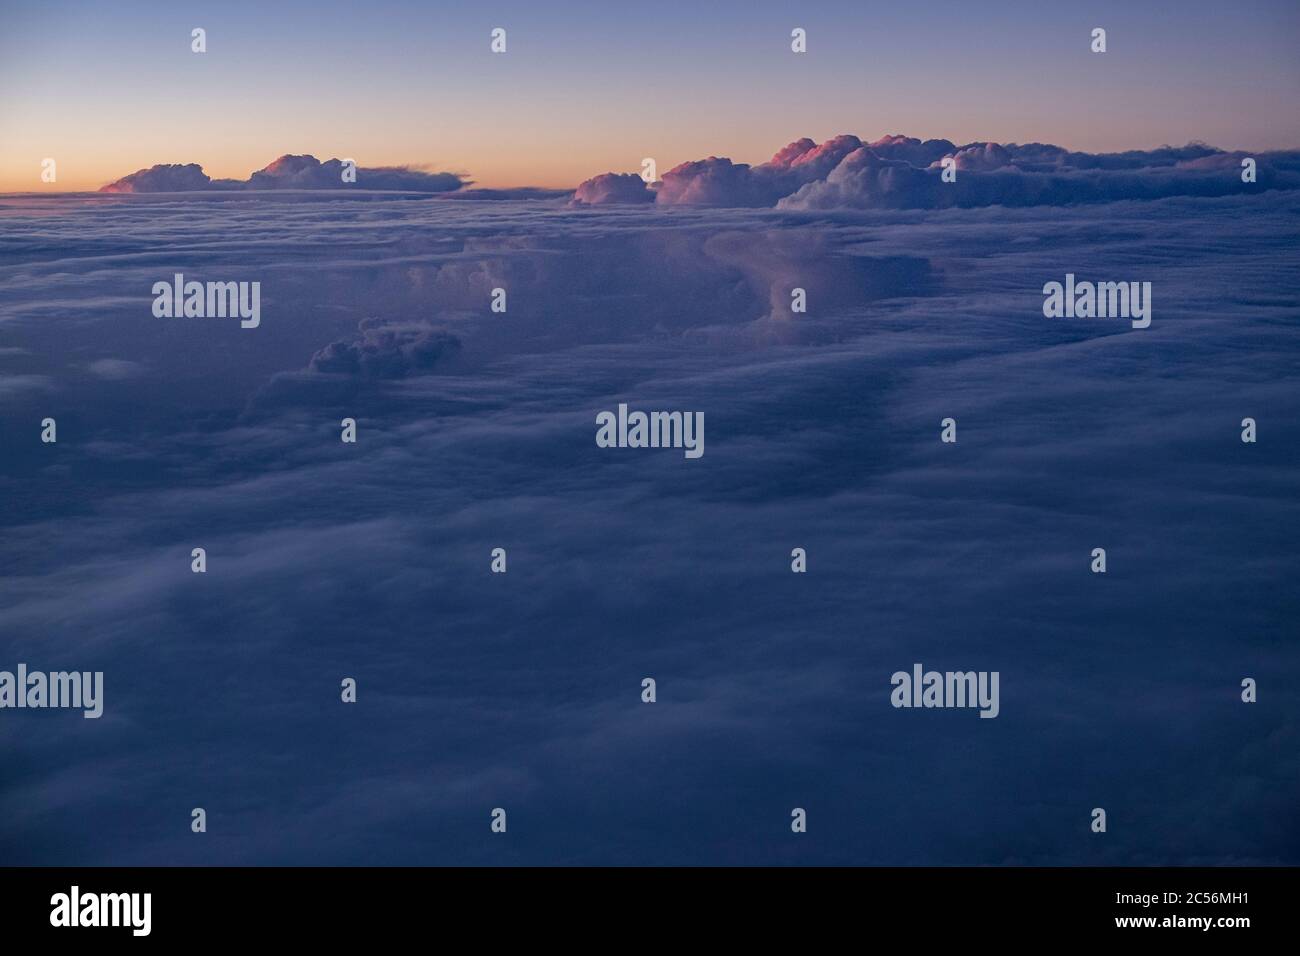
point(287, 172)
point(900, 172)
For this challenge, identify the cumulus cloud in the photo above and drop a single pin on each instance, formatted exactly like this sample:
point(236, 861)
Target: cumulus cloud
point(977, 157)
point(307, 172)
point(386, 351)
point(713, 182)
point(989, 174)
point(287, 172)
point(613, 188)
point(902, 172)
point(163, 178)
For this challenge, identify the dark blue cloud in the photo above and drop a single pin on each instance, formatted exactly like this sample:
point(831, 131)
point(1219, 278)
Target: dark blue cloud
point(385, 351)
point(478, 690)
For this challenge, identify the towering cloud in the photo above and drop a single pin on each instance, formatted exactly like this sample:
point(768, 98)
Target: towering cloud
point(613, 188)
point(901, 172)
point(163, 178)
point(287, 172)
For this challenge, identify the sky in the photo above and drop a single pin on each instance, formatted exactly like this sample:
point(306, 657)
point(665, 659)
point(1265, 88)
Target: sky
point(587, 88)
point(923, 303)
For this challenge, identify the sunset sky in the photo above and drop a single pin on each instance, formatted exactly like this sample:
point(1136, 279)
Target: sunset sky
point(585, 88)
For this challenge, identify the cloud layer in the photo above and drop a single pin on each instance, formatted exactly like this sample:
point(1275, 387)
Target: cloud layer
point(287, 172)
point(900, 172)
point(476, 431)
